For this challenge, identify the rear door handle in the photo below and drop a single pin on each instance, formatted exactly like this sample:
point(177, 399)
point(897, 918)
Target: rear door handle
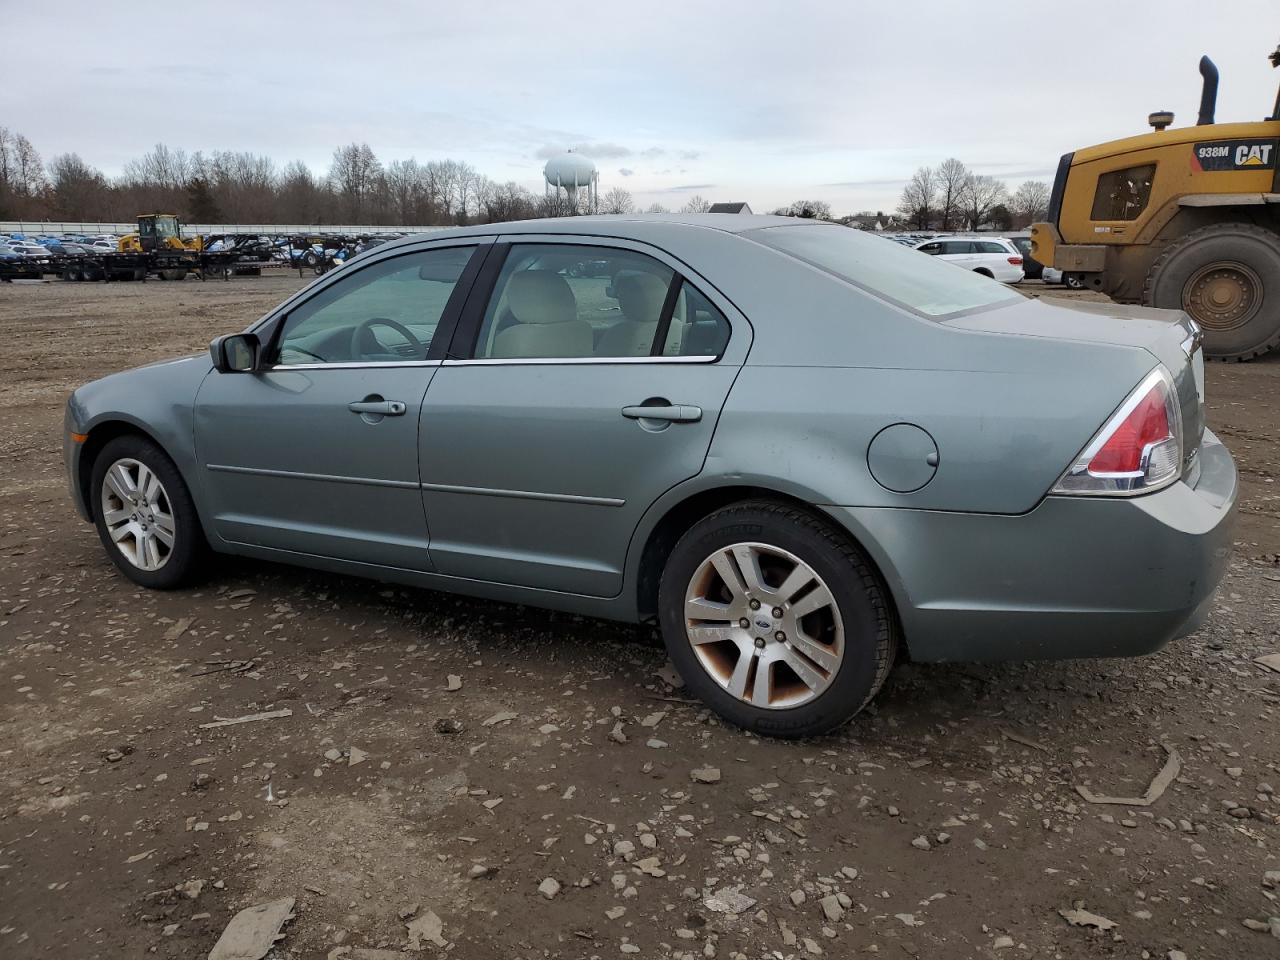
point(673, 413)
point(381, 408)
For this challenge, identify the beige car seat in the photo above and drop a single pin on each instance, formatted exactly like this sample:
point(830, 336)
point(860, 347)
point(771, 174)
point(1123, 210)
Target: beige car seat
point(546, 314)
point(640, 297)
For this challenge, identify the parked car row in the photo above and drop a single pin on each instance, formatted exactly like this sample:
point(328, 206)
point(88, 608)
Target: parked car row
point(1006, 258)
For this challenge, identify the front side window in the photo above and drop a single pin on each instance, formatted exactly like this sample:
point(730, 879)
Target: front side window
point(562, 301)
point(933, 249)
point(385, 312)
point(931, 288)
point(1123, 194)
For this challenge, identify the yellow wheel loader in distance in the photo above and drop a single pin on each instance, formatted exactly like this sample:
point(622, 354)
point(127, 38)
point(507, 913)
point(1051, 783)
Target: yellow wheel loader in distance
point(161, 233)
point(1187, 218)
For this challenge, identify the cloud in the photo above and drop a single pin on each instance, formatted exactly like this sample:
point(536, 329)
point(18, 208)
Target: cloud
point(625, 171)
point(688, 186)
point(596, 151)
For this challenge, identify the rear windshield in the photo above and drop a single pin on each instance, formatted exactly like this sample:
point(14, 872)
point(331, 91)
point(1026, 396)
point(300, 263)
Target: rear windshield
point(906, 277)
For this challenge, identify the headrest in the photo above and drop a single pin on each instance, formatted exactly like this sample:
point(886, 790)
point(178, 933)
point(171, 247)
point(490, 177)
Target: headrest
point(640, 295)
point(540, 296)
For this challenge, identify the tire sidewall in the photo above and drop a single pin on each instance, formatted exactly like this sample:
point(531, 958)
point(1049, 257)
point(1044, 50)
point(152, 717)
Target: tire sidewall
point(1245, 247)
point(856, 678)
point(188, 541)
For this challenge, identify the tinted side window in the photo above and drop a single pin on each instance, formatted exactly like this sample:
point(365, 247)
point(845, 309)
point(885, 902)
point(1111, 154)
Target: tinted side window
point(988, 246)
point(1123, 194)
point(385, 312)
point(957, 247)
point(933, 249)
point(698, 328)
point(555, 301)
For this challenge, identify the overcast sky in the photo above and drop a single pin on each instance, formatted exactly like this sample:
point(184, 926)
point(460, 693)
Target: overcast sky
point(753, 100)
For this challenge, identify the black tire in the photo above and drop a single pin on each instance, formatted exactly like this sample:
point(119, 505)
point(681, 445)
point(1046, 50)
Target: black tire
point(188, 557)
point(1073, 282)
point(870, 631)
point(310, 258)
point(1248, 253)
point(174, 274)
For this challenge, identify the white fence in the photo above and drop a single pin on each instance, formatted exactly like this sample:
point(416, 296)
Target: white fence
point(59, 227)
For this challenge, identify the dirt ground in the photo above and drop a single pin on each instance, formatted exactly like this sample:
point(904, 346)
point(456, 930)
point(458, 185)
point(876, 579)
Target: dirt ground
point(944, 822)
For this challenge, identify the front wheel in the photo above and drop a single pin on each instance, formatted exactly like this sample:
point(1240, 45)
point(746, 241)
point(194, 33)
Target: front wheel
point(775, 620)
point(1227, 277)
point(145, 517)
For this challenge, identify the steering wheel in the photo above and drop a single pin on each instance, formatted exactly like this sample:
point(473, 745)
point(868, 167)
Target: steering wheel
point(364, 343)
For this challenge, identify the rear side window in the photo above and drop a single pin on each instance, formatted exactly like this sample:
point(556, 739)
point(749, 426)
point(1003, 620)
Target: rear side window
point(988, 246)
point(1123, 194)
point(957, 247)
point(561, 301)
point(697, 329)
point(898, 274)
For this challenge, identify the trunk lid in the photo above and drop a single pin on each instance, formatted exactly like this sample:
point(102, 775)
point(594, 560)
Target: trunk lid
point(1170, 336)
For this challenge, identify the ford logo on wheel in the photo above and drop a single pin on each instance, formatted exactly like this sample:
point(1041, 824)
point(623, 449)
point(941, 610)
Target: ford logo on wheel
point(762, 623)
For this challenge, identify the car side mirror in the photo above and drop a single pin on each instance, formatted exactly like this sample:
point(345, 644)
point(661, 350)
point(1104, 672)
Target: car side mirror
point(235, 352)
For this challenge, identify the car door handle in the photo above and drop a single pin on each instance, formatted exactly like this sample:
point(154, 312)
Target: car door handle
point(381, 408)
point(674, 413)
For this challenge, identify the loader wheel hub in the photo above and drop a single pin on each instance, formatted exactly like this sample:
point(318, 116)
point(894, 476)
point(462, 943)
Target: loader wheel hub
point(1223, 295)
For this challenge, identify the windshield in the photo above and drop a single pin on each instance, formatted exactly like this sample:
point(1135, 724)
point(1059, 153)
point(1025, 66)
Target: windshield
point(918, 282)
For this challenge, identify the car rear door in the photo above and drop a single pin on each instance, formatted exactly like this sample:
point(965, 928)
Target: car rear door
point(560, 422)
point(316, 452)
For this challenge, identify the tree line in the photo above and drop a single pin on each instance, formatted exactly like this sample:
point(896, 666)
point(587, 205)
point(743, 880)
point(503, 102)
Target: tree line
point(950, 196)
point(225, 186)
point(242, 187)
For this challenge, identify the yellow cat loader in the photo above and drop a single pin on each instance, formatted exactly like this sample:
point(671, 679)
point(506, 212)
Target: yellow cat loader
point(160, 236)
point(1183, 217)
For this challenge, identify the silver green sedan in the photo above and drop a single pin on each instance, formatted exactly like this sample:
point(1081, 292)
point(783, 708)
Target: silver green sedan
point(800, 450)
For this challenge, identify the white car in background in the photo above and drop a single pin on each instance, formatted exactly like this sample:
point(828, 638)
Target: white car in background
point(1052, 275)
point(993, 257)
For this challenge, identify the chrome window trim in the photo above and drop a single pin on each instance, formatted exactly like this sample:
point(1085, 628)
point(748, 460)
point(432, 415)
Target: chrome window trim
point(353, 365)
point(523, 361)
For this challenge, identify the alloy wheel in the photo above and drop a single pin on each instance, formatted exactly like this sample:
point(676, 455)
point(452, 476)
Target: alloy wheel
point(764, 625)
point(137, 514)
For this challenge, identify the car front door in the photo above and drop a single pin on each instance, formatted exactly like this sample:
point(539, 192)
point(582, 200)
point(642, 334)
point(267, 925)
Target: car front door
point(316, 451)
point(587, 383)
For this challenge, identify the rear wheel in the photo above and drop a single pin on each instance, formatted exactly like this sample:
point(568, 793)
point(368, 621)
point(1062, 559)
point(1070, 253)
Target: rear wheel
point(145, 517)
point(985, 272)
point(775, 620)
point(174, 273)
point(1227, 277)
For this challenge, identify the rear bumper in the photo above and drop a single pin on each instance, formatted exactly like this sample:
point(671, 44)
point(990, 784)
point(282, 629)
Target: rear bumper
point(1075, 577)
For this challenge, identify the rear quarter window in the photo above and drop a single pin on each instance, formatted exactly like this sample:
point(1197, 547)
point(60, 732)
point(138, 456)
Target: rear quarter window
point(924, 285)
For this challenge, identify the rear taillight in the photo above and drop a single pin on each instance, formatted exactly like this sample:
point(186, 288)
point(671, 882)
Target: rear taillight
point(1016, 261)
point(1139, 449)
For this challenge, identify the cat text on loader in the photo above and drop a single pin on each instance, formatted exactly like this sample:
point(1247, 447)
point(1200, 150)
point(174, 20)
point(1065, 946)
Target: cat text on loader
point(1183, 217)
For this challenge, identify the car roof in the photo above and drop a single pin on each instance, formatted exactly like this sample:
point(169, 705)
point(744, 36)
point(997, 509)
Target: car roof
point(622, 226)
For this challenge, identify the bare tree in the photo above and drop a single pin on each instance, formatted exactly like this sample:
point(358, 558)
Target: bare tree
point(354, 173)
point(696, 204)
point(951, 175)
point(978, 195)
point(79, 191)
point(919, 202)
point(808, 210)
point(617, 200)
point(656, 208)
point(1030, 202)
point(301, 198)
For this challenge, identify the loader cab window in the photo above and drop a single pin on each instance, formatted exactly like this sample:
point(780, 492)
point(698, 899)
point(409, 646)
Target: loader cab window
point(1123, 194)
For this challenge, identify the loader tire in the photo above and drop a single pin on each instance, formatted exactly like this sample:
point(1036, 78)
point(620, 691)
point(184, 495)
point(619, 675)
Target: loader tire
point(1227, 277)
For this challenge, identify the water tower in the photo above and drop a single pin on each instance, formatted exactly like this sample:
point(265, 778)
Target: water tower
point(572, 172)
